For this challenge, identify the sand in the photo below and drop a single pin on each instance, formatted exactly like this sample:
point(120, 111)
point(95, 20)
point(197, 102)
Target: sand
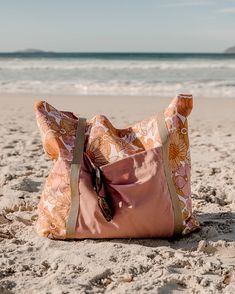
point(203, 262)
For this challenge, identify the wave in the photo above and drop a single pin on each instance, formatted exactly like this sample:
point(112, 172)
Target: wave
point(116, 87)
point(205, 77)
point(21, 65)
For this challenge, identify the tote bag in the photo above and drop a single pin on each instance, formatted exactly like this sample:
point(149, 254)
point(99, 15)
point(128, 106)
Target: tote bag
point(108, 182)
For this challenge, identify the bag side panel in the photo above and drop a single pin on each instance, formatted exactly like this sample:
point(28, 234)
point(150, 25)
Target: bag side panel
point(179, 156)
point(54, 204)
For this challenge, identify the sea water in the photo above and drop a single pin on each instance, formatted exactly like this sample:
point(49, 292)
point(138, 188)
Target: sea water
point(158, 74)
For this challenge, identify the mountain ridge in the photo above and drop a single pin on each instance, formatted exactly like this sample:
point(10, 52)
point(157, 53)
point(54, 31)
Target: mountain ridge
point(32, 50)
point(230, 50)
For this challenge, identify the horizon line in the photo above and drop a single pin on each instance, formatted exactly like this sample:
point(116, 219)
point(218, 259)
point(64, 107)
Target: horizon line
point(109, 52)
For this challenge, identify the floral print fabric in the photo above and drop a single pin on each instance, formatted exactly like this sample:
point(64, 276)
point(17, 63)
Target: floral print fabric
point(106, 144)
point(179, 156)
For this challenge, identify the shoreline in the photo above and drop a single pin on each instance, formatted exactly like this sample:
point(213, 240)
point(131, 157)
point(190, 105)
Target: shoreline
point(210, 109)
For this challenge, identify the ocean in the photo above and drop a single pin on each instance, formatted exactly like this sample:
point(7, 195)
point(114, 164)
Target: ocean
point(158, 74)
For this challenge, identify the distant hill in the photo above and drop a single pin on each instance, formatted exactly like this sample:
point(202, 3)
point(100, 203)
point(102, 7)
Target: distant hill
point(230, 50)
point(32, 51)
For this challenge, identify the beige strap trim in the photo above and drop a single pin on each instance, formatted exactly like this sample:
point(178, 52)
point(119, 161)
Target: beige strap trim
point(74, 178)
point(164, 135)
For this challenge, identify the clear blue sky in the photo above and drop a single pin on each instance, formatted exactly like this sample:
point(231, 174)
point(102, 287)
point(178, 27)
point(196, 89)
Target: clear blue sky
point(117, 25)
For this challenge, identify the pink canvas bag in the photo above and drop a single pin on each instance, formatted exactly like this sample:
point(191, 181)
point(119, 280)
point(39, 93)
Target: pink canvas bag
point(116, 183)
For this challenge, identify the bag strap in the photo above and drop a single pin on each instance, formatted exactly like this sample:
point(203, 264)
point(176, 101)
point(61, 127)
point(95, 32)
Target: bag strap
point(164, 135)
point(74, 177)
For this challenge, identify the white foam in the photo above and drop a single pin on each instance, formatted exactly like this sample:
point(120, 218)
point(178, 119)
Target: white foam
point(116, 87)
point(203, 77)
point(74, 64)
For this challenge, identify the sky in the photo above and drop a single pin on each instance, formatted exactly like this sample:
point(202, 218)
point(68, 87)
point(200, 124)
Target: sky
point(117, 25)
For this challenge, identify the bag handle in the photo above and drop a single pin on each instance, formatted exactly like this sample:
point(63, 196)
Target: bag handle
point(74, 177)
point(164, 135)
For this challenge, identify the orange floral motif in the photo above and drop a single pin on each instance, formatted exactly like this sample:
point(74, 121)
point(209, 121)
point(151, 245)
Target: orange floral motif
point(96, 153)
point(177, 150)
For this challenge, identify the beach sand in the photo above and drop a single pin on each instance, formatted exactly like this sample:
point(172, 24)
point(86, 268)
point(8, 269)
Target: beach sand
point(203, 262)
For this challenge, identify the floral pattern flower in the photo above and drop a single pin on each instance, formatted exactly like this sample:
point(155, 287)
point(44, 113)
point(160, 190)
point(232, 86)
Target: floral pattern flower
point(96, 152)
point(177, 150)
